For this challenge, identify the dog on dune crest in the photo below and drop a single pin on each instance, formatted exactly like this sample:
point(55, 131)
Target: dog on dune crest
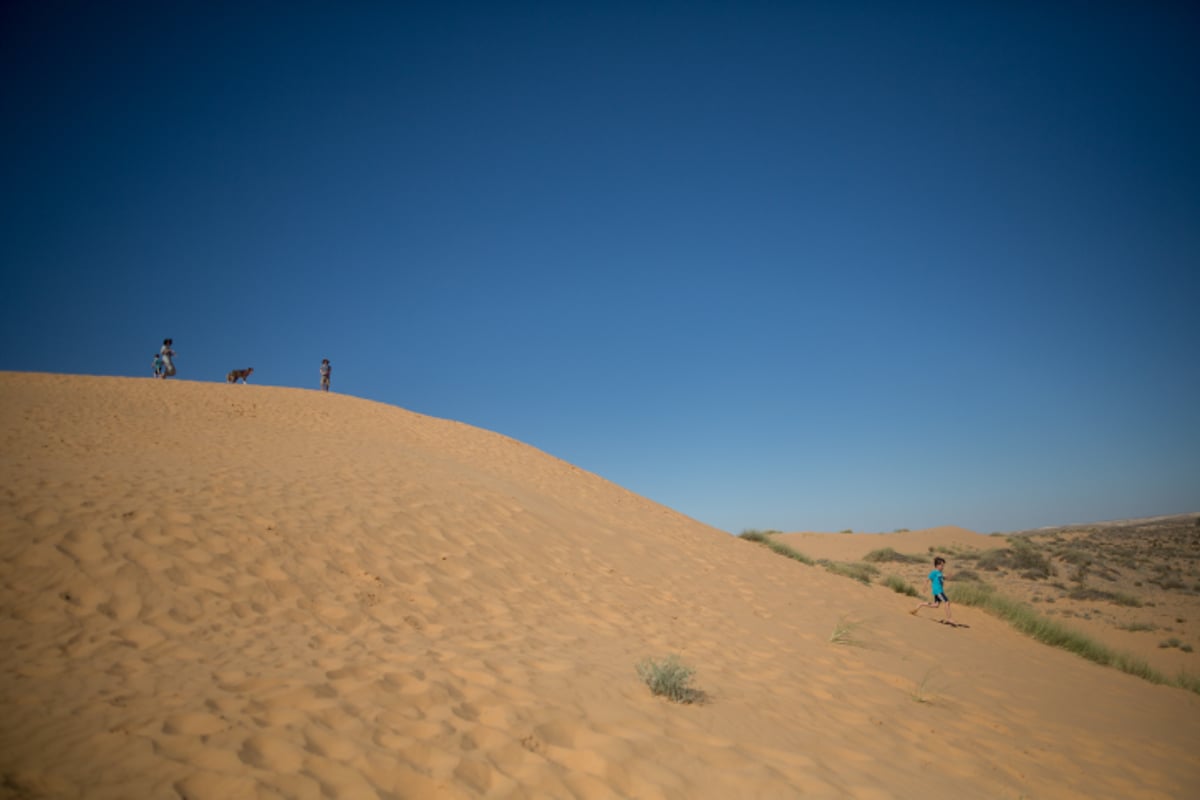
point(238, 375)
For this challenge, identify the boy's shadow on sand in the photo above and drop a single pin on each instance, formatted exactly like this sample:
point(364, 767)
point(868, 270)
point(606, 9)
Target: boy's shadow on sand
point(951, 623)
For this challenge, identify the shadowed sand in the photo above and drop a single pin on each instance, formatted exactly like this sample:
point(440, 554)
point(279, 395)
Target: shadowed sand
point(215, 591)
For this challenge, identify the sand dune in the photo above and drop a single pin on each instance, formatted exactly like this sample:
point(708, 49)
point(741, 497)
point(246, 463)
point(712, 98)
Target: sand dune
point(215, 591)
point(845, 547)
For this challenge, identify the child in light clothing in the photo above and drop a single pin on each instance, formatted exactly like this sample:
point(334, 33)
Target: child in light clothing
point(167, 354)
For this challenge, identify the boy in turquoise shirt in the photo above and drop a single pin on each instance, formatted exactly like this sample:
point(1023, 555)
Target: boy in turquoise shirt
point(937, 584)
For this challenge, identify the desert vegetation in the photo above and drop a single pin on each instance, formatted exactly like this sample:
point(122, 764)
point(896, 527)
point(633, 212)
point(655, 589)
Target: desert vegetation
point(1093, 575)
point(765, 538)
point(669, 678)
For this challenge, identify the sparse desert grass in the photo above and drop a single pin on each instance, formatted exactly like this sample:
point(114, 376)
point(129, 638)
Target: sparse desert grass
point(966, 575)
point(670, 678)
point(1172, 642)
point(887, 554)
point(755, 535)
point(900, 586)
point(1020, 556)
point(858, 571)
point(765, 538)
point(1138, 627)
point(1167, 584)
point(1025, 619)
point(1029, 560)
point(954, 551)
point(846, 632)
point(1188, 681)
point(993, 560)
point(1075, 556)
point(1089, 593)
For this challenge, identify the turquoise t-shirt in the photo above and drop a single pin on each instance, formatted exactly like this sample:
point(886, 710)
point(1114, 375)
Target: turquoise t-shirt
point(935, 578)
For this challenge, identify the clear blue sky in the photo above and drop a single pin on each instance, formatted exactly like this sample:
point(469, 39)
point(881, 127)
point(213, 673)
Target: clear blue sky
point(787, 265)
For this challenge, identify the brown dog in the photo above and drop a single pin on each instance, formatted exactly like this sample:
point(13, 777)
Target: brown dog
point(238, 374)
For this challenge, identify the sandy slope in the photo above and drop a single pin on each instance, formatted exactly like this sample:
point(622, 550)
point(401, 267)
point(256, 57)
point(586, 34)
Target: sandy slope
point(216, 591)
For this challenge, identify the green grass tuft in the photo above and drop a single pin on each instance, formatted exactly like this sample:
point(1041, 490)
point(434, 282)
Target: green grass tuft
point(887, 554)
point(1188, 681)
point(764, 538)
point(846, 633)
point(900, 586)
point(670, 679)
point(858, 571)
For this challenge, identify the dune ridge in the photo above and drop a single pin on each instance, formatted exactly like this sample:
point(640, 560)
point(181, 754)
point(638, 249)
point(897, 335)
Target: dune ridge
point(216, 591)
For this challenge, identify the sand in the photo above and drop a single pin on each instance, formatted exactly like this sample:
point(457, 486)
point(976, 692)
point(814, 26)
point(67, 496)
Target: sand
point(216, 591)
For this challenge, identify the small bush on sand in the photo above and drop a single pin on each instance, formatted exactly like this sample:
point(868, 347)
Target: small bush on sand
point(900, 586)
point(889, 555)
point(1022, 556)
point(670, 679)
point(1030, 561)
point(1076, 556)
point(993, 560)
point(765, 538)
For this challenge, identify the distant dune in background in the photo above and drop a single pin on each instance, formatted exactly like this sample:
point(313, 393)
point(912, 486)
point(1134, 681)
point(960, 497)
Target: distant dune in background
point(216, 591)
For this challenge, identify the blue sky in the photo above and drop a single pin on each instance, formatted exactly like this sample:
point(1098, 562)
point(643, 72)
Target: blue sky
point(775, 265)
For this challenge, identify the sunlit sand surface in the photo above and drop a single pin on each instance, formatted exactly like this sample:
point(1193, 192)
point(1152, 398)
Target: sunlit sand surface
point(216, 591)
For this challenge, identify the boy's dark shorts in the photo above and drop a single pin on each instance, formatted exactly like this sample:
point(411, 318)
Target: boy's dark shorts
point(941, 598)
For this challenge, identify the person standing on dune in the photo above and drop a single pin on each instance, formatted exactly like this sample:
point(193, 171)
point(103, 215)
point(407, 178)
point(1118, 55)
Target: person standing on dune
point(167, 353)
point(326, 371)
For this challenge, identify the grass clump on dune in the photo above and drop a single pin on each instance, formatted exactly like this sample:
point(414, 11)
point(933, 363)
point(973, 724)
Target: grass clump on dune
point(670, 679)
point(900, 586)
point(1088, 593)
point(846, 633)
point(1027, 621)
point(890, 555)
point(764, 538)
point(859, 572)
point(1022, 556)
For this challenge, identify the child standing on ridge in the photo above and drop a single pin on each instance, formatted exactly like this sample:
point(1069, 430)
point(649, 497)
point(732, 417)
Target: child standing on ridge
point(158, 365)
point(936, 581)
point(326, 370)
